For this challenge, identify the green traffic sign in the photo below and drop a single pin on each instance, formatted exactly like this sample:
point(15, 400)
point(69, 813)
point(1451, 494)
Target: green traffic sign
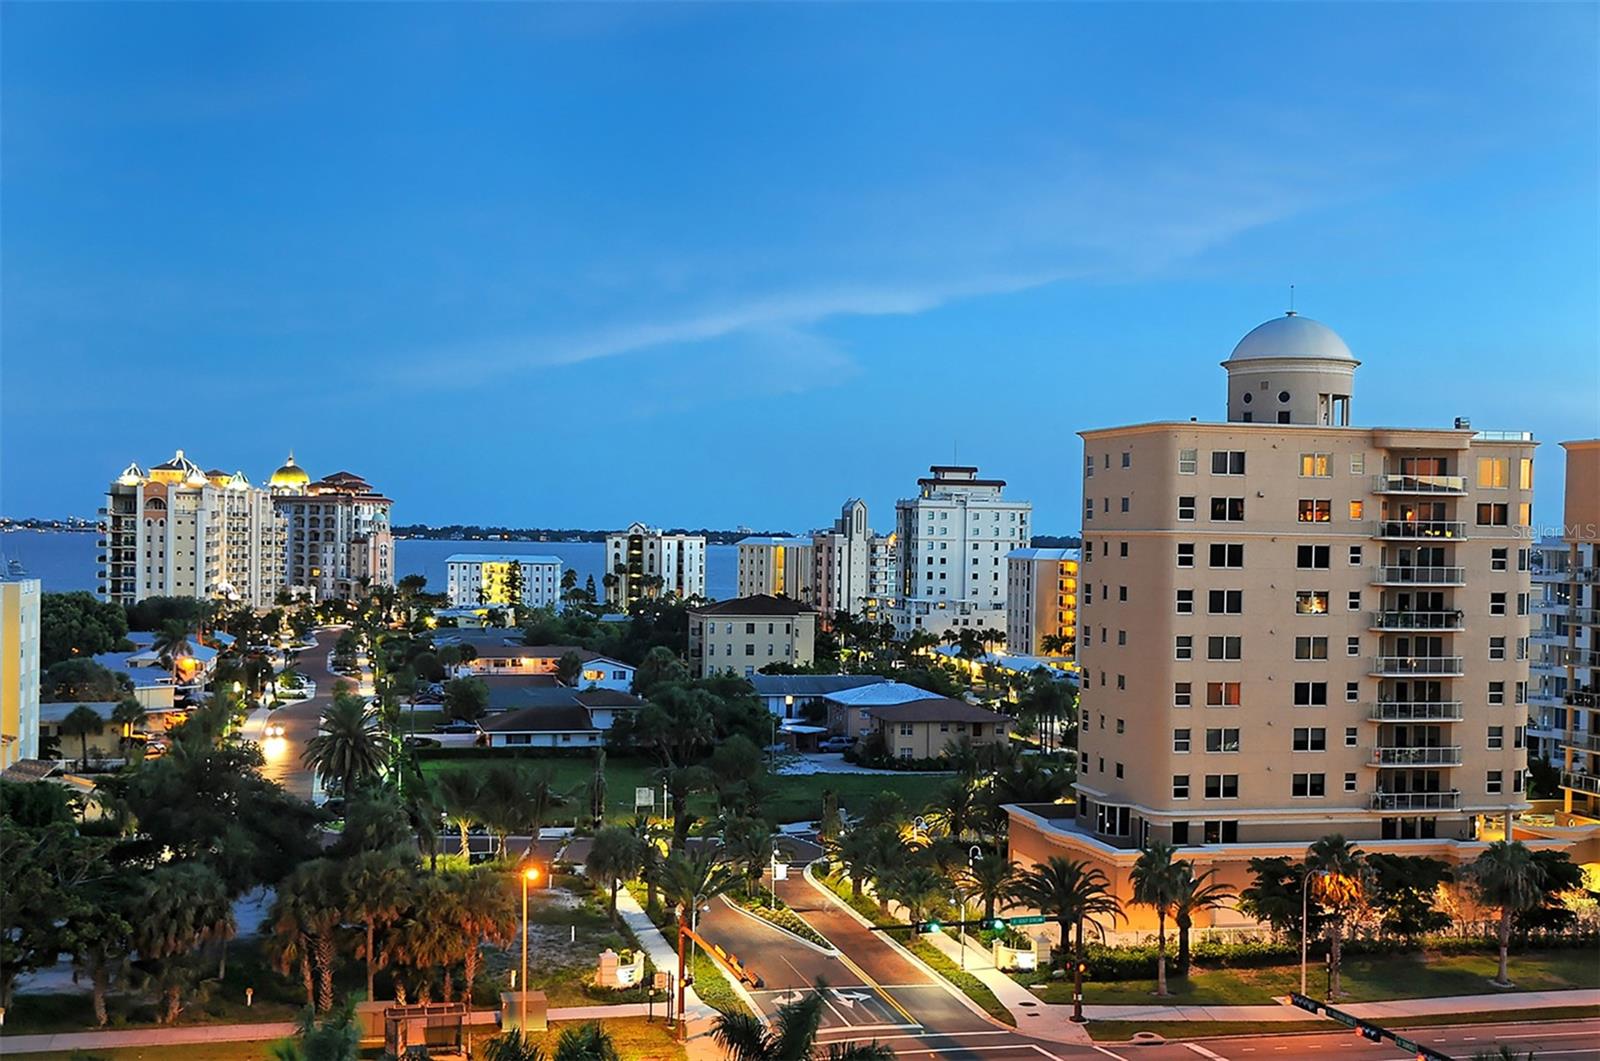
point(1032, 919)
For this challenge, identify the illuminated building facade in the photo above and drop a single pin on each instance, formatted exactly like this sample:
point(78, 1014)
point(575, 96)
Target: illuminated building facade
point(180, 531)
point(1042, 602)
point(777, 567)
point(490, 578)
point(645, 562)
point(338, 533)
point(1290, 627)
point(19, 670)
point(1579, 754)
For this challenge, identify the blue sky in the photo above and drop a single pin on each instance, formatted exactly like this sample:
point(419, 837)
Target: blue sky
point(729, 265)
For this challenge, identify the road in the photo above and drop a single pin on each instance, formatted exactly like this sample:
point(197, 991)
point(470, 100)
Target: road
point(875, 993)
point(300, 720)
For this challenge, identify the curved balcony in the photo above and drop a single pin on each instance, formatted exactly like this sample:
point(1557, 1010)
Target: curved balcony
point(1589, 783)
point(1411, 575)
point(1415, 666)
point(1416, 801)
point(1407, 757)
point(1402, 621)
point(1415, 530)
point(1419, 484)
point(1416, 711)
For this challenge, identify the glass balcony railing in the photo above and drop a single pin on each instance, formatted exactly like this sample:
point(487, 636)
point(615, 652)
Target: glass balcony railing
point(1405, 801)
point(1409, 575)
point(1407, 666)
point(1416, 711)
point(1412, 529)
point(1419, 484)
point(1451, 620)
point(1416, 757)
point(1589, 783)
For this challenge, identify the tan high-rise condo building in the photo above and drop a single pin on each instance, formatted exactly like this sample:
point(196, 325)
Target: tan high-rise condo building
point(1290, 626)
point(1042, 602)
point(1578, 633)
point(338, 533)
point(644, 562)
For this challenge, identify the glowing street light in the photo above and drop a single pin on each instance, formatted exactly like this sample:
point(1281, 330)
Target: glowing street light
point(529, 875)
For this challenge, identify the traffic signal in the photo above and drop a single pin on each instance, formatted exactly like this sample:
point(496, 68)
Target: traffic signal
point(929, 927)
point(995, 923)
point(1370, 1033)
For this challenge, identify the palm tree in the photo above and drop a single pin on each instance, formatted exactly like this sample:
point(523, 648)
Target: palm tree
point(613, 857)
point(1341, 873)
point(478, 907)
point(1155, 879)
point(513, 1046)
point(184, 907)
point(916, 888)
point(125, 716)
point(1194, 894)
point(748, 843)
point(647, 835)
point(955, 806)
point(586, 1042)
point(792, 1035)
point(347, 747)
point(1507, 876)
point(306, 916)
point(459, 792)
point(886, 853)
point(854, 850)
point(990, 880)
point(1072, 892)
point(377, 886)
point(80, 722)
point(424, 939)
point(172, 644)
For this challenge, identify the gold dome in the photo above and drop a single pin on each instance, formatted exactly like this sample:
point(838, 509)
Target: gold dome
point(291, 474)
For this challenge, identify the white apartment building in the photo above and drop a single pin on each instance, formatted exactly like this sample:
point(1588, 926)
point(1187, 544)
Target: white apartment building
point(19, 670)
point(338, 533)
point(952, 540)
point(1041, 601)
point(491, 578)
point(647, 562)
point(854, 566)
point(180, 531)
point(777, 567)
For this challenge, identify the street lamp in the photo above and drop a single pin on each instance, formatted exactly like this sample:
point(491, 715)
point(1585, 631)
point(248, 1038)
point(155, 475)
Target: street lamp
point(1305, 909)
point(528, 876)
point(973, 854)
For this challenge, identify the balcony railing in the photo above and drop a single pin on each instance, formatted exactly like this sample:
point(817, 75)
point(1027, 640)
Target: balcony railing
point(1404, 801)
point(1410, 575)
point(1582, 698)
point(1583, 616)
point(1416, 711)
point(1409, 530)
point(1419, 484)
point(1448, 756)
point(1408, 666)
point(1589, 742)
point(1589, 783)
point(1544, 636)
point(1451, 620)
point(1584, 574)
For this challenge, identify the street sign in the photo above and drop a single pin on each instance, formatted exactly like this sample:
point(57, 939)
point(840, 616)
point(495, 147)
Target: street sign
point(644, 797)
point(660, 981)
point(1341, 1016)
point(1310, 1005)
point(780, 871)
point(1031, 919)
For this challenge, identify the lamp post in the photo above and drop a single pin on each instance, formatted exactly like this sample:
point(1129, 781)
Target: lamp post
point(528, 875)
point(1305, 911)
point(973, 853)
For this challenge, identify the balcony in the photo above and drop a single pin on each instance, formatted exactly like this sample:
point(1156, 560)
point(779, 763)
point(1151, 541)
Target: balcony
point(1409, 575)
point(1402, 757)
point(1416, 711)
point(1415, 666)
point(1542, 636)
point(1584, 574)
point(1589, 783)
point(1414, 530)
point(1400, 621)
point(1589, 742)
point(1582, 698)
point(1419, 484)
point(1411, 801)
point(1550, 607)
point(1583, 616)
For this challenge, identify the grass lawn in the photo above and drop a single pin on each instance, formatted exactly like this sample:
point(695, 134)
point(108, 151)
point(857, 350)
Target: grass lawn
point(187, 1052)
point(1365, 979)
point(1122, 1030)
point(795, 798)
point(635, 1039)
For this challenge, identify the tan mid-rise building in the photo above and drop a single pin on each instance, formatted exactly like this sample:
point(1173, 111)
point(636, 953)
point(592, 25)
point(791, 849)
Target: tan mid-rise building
point(1042, 602)
point(1290, 626)
point(743, 635)
point(1578, 647)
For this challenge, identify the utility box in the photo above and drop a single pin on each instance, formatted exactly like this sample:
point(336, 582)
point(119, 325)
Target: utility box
point(511, 1003)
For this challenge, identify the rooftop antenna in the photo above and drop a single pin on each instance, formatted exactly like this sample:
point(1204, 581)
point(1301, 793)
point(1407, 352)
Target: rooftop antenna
point(1291, 301)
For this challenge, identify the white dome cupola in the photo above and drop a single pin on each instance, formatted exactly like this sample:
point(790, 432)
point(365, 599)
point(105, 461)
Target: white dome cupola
point(1291, 370)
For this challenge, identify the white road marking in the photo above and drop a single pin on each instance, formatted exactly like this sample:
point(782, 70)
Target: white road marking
point(927, 1035)
point(1203, 1052)
point(1108, 1053)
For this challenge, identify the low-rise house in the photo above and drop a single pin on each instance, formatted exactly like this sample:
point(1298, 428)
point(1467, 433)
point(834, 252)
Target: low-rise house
point(924, 729)
point(743, 635)
point(518, 696)
point(498, 654)
point(107, 742)
point(849, 710)
point(548, 726)
point(788, 695)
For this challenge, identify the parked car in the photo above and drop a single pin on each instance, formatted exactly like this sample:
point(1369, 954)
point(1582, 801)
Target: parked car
point(456, 727)
point(835, 744)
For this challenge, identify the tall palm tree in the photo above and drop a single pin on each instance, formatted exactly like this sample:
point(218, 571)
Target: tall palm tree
point(347, 748)
point(989, 880)
point(1340, 882)
point(917, 888)
point(184, 907)
point(647, 835)
point(80, 722)
point(376, 885)
point(886, 854)
point(1073, 893)
point(1155, 879)
point(613, 857)
point(954, 809)
point(1194, 894)
point(125, 716)
point(854, 851)
point(792, 1035)
point(1507, 876)
point(458, 792)
point(171, 644)
point(422, 941)
point(478, 905)
point(306, 915)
